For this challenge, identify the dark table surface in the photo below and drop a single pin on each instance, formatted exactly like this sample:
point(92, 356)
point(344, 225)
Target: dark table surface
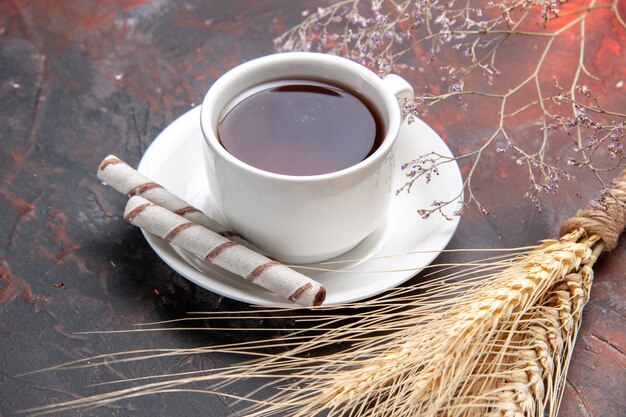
point(83, 79)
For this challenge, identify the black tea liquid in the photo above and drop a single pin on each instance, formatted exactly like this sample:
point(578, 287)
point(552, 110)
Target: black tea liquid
point(300, 127)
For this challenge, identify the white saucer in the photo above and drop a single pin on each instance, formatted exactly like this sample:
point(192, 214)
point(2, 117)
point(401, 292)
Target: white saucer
point(175, 161)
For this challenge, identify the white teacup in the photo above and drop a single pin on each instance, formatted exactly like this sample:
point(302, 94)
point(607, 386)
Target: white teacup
point(303, 219)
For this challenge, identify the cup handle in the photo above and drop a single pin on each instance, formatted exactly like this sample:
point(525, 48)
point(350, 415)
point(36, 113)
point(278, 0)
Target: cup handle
point(399, 87)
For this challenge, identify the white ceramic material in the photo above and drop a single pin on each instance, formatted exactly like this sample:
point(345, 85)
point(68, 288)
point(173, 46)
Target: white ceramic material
point(175, 160)
point(301, 219)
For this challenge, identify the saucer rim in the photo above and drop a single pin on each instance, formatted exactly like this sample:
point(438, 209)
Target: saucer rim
point(178, 263)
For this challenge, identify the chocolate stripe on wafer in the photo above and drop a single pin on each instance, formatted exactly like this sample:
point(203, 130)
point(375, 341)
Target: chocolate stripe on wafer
point(109, 160)
point(186, 210)
point(298, 293)
point(319, 298)
point(225, 253)
point(218, 250)
point(143, 188)
point(256, 272)
point(128, 181)
point(175, 231)
point(135, 212)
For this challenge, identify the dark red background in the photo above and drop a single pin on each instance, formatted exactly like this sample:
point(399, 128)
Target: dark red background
point(82, 79)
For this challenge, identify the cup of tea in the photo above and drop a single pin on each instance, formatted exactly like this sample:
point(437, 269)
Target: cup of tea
point(300, 150)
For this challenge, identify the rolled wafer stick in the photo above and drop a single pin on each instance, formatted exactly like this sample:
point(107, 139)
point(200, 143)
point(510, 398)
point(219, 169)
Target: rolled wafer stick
point(224, 253)
point(125, 179)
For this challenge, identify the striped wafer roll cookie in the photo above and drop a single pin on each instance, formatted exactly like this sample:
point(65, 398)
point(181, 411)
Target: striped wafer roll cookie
point(125, 179)
point(224, 253)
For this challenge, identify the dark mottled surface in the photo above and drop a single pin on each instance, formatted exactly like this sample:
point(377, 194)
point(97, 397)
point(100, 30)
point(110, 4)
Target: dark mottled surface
point(82, 79)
